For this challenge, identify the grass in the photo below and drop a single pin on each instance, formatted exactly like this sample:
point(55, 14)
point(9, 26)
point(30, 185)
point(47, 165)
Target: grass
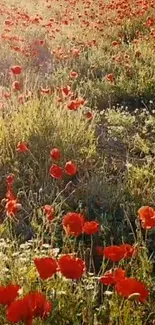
point(87, 88)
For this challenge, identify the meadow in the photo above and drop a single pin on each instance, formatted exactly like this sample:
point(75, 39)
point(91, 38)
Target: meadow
point(77, 162)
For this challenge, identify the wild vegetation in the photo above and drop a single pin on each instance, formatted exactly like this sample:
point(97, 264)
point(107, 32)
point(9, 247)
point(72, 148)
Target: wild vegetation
point(77, 162)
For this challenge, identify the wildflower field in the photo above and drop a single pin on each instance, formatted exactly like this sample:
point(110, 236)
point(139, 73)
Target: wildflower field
point(77, 162)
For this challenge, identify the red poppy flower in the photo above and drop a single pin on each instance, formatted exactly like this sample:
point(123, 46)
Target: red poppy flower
point(113, 253)
point(66, 90)
point(107, 279)
point(137, 54)
point(10, 179)
point(9, 194)
point(115, 43)
point(73, 105)
point(55, 154)
point(16, 85)
point(110, 77)
point(56, 171)
point(116, 253)
point(147, 216)
point(31, 306)
point(8, 294)
point(70, 168)
point(12, 207)
point(71, 267)
point(129, 286)
point(16, 69)
point(46, 267)
point(73, 223)
point(73, 74)
point(22, 147)
point(48, 211)
point(91, 227)
point(129, 251)
point(112, 277)
point(89, 115)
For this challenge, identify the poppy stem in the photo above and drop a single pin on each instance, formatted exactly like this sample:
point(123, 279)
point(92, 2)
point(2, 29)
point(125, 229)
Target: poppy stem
point(91, 262)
